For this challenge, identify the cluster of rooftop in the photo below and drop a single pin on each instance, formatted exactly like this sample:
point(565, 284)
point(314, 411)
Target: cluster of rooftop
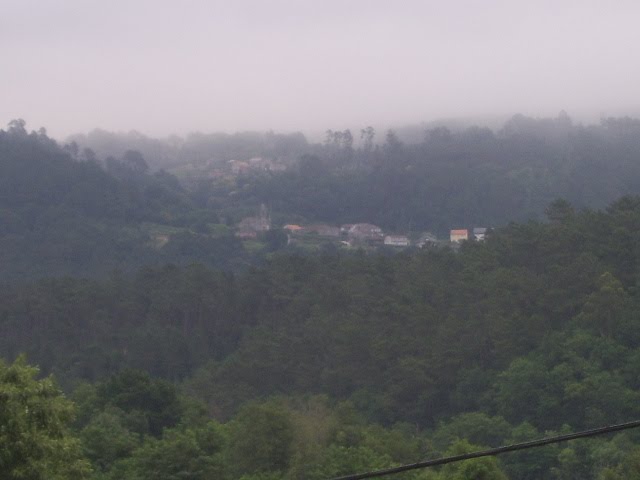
point(349, 233)
point(359, 234)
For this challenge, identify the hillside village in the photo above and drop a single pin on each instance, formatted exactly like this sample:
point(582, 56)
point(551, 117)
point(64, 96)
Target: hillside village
point(352, 234)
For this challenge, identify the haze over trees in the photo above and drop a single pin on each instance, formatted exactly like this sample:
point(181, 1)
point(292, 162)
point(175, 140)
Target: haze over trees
point(234, 253)
point(211, 357)
point(446, 177)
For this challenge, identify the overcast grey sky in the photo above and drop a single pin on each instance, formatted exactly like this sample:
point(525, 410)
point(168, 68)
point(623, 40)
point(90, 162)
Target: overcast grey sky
point(162, 67)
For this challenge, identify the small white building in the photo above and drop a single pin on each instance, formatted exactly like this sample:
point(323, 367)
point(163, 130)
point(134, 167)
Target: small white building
point(479, 234)
point(397, 241)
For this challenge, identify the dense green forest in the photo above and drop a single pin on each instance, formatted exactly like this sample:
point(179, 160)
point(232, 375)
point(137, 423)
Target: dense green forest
point(202, 358)
point(64, 212)
point(313, 366)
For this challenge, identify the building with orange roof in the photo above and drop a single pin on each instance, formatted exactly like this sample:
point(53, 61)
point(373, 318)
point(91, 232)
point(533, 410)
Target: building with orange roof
point(459, 235)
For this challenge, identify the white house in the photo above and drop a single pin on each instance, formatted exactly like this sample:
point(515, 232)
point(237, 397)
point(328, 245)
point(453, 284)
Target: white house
point(479, 233)
point(397, 241)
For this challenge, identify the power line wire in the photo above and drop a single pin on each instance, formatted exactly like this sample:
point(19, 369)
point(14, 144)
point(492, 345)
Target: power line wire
point(493, 451)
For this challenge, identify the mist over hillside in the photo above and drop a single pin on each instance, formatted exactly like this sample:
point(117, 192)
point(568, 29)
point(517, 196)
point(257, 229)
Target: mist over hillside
point(71, 209)
point(166, 152)
point(307, 239)
point(416, 178)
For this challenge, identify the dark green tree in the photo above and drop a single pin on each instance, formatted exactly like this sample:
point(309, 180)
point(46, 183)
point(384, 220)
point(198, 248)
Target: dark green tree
point(261, 437)
point(35, 440)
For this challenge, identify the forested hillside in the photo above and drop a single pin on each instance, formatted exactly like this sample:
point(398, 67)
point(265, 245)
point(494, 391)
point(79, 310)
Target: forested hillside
point(457, 178)
point(441, 179)
point(65, 212)
point(319, 240)
point(313, 366)
point(189, 353)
